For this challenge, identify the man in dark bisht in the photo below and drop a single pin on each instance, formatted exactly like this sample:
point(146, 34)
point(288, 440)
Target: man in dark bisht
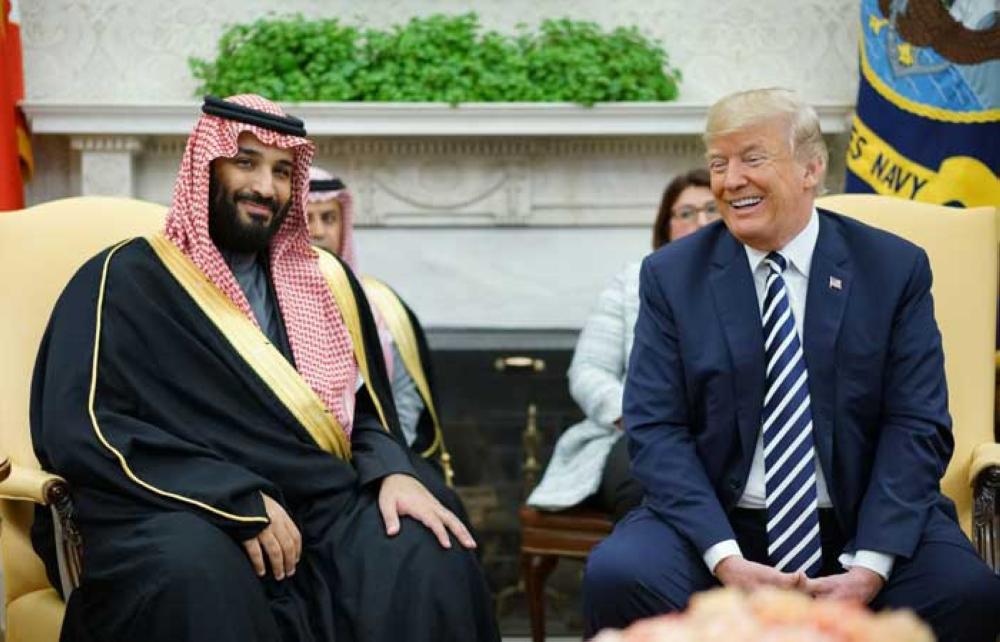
point(216, 397)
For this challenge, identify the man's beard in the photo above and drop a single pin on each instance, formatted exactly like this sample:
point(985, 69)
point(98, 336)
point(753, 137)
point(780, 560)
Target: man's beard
point(228, 232)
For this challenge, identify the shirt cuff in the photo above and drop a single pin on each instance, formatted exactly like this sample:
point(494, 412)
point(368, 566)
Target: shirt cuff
point(718, 552)
point(880, 563)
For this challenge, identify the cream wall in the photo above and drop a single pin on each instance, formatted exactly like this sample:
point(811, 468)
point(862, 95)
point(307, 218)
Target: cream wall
point(136, 51)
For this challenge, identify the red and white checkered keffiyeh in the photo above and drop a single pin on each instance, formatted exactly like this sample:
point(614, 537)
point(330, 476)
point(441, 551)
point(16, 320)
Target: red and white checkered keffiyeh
point(318, 336)
point(349, 252)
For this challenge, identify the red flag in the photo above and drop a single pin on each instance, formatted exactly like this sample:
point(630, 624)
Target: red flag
point(16, 163)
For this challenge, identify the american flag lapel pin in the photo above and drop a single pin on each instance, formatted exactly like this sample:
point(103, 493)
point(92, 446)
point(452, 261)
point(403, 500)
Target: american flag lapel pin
point(836, 284)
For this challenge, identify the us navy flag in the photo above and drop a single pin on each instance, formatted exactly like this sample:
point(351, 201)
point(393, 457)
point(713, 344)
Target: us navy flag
point(927, 125)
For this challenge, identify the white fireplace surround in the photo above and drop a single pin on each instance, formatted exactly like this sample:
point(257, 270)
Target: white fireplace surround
point(486, 216)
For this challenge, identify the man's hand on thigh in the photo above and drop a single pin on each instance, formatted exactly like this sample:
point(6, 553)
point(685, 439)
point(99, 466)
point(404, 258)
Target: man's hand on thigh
point(281, 542)
point(403, 495)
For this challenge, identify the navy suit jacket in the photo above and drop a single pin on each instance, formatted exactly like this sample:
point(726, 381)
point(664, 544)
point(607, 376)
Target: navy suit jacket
point(695, 385)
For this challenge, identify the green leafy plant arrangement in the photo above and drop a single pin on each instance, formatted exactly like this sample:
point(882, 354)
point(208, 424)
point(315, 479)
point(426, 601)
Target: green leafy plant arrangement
point(438, 58)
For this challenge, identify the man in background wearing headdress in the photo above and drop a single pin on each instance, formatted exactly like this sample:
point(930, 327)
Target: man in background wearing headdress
point(330, 213)
point(216, 397)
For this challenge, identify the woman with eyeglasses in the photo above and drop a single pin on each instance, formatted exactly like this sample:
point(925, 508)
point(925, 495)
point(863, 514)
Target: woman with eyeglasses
point(590, 463)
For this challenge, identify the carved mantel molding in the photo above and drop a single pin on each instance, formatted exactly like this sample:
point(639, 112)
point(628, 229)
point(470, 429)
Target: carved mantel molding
point(408, 119)
point(431, 165)
point(107, 163)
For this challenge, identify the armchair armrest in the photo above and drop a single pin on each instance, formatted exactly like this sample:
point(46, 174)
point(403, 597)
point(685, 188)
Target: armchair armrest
point(22, 483)
point(983, 457)
point(984, 477)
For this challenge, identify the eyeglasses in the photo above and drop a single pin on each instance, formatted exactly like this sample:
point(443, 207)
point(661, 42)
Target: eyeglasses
point(690, 212)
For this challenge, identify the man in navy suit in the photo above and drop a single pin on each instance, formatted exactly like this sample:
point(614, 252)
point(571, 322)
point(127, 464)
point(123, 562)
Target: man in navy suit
point(786, 403)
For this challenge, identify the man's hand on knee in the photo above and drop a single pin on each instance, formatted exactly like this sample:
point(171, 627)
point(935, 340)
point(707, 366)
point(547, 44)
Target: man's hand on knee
point(738, 572)
point(403, 495)
point(281, 542)
point(858, 584)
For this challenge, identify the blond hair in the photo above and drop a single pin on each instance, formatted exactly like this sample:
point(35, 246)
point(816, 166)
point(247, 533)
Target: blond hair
point(745, 108)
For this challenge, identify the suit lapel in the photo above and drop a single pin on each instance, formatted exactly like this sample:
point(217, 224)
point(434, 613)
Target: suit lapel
point(736, 301)
point(830, 278)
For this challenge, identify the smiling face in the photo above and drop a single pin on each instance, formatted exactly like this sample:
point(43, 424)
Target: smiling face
point(249, 195)
point(765, 194)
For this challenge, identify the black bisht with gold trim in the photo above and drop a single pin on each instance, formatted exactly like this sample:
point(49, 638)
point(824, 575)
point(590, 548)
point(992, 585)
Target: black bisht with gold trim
point(168, 435)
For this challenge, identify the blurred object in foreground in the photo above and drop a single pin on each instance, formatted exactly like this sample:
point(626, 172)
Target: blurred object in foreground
point(774, 615)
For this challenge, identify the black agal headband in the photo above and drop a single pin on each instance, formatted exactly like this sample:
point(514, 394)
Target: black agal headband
point(231, 111)
point(327, 185)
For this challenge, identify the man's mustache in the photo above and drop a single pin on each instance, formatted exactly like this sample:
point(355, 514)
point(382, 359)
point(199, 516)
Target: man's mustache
point(250, 197)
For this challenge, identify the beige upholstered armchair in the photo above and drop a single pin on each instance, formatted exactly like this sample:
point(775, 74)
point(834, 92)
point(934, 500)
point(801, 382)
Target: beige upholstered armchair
point(42, 247)
point(962, 247)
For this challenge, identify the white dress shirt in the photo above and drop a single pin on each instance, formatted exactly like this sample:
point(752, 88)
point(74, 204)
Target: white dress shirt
point(798, 252)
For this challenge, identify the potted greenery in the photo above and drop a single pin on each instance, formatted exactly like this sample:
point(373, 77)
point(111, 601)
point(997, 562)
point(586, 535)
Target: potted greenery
point(442, 59)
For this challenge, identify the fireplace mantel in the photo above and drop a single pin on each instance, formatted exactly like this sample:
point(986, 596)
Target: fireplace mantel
point(407, 119)
point(498, 217)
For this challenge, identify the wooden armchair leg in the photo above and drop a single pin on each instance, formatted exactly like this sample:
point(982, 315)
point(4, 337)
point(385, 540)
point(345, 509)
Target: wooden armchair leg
point(986, 517)
point(536, 570)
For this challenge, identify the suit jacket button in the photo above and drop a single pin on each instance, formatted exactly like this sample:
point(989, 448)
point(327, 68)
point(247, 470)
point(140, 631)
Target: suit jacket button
point(734, 483)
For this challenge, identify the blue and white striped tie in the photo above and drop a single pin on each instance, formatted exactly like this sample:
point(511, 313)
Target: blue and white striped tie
point(789, 453)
